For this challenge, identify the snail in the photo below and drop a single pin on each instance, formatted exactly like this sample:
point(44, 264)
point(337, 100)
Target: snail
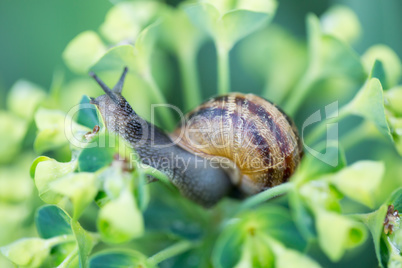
point(235, 143)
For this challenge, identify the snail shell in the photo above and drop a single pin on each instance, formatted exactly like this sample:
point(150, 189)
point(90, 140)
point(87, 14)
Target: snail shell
point(247, 132)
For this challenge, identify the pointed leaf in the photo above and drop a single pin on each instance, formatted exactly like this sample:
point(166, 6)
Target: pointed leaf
point(52, 221)
point(119, 259)
point(359, 181)
point(87, 115)
point(120, 220)
point(369, 104)
point(85, 243)
point(228, 23)
point(375, 223)
point(237, 24)
point(99, 153)
point(330, 57)
point(378, 72)
point(390, 61)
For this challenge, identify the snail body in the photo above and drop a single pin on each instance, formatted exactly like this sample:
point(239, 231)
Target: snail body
point(234, 141)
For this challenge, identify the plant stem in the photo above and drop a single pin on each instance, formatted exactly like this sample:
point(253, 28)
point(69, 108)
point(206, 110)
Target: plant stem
point(60, 240)
point(171, 251)
point(322, 128)
point(223, 69)
point(67, 261)
point(266, 195)
point(297, 96)
point(190, 81)
point(167, 117)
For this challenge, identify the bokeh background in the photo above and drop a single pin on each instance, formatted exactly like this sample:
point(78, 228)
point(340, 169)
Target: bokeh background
point(33, 35)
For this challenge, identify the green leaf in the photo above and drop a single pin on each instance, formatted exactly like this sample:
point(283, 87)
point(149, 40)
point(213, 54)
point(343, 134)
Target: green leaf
point(125, 20)
point(181, 218)
point(83, 51)
point(204, 16)
point(369, 104)
point(378, 72)
point(47, 172)
point(99, 153)
point(359, 181)
point(302, 216)
point(35, 163)
point(256, 253)
point(390, 61)
point(375, 222)
point(393, 100)
point(290, 258)
point(52, 221)
point(337, 233)
point(240, 240)
point(396, 132)
point(141, 190)
point(119, 259)
point(12, 132)
point(330, 57)
point(85, 243)
point(80, 188)
point(57, 129)
point(396, 199)
point(27, 252)
point(87, 115)
point(227, 24)
point(114, 181)
point(179, 34)
point(136, 90)
point(228, 248)
point(24, 97)
point(319, 194)
point(120, 220)
point(314, 166)
point(237, 24)
point(341, 22)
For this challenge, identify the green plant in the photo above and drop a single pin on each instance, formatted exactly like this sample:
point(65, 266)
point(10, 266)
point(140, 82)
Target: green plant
point(99, 212)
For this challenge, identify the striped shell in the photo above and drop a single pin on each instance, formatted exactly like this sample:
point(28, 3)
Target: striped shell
point(248, 133)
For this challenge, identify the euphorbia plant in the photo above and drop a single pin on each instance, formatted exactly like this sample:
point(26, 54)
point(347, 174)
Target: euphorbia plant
point(101, 211)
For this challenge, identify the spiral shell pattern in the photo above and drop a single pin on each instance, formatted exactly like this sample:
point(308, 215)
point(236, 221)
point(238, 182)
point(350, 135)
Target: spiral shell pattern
point(247, 131)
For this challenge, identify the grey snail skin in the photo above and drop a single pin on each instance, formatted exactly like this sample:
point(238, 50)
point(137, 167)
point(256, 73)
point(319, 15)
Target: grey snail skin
point(231, 143)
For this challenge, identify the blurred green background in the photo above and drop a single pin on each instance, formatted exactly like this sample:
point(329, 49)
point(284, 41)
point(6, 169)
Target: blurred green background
point(34, 34)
